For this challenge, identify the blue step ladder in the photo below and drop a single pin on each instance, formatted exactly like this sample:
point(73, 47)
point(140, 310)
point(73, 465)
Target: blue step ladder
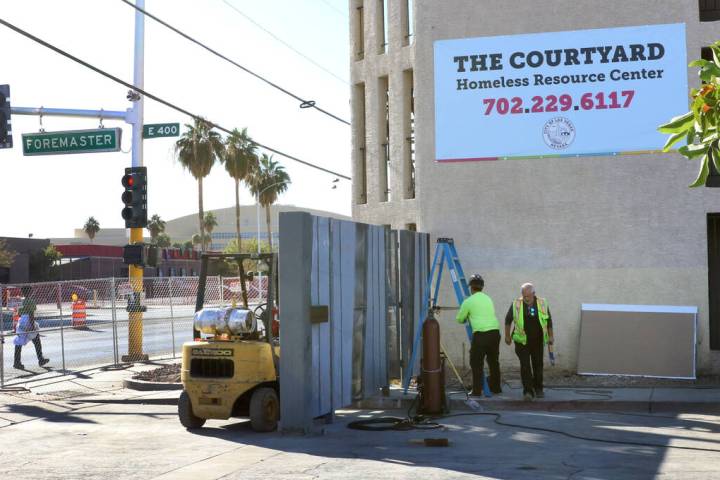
point(445, 253)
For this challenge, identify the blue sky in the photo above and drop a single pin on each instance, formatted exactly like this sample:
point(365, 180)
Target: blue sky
point(52, 195)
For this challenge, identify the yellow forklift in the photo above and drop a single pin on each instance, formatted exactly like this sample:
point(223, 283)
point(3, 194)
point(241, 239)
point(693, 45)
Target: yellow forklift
point(230, 369)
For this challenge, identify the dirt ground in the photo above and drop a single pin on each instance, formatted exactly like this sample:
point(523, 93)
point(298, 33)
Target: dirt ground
point(165, 374)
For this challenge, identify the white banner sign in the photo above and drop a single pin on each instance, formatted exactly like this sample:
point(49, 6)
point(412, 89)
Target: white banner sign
point(588, 92)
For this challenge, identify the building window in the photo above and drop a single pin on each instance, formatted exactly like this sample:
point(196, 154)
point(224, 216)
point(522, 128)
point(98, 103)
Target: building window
point(709, 10)
point(382, 23)
point(411, 226)
point(713, 228)
point(384, 124)
point(360, 34)
point(408, 22)
point(409, 134)
point(361, 156)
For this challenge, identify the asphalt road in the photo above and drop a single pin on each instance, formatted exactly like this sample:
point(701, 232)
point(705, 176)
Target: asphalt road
point(92, 429)
point(94, 345)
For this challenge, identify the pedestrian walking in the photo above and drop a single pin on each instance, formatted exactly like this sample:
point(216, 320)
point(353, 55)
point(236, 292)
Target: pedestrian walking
point(27, 330)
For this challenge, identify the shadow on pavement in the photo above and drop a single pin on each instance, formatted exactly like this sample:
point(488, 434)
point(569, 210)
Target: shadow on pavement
point(480, 446)
point(37, 412)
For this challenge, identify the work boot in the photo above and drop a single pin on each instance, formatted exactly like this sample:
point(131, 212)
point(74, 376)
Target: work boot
point(528, 396)
point(539, 394)
point(43, 361)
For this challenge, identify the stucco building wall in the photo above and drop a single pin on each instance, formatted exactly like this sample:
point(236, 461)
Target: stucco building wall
point(605, 229)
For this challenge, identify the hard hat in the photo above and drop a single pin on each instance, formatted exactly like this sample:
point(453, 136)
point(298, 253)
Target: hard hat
point(476, 280)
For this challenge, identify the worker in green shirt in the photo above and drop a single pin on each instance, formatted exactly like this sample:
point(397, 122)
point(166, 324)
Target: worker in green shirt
point(478, 308)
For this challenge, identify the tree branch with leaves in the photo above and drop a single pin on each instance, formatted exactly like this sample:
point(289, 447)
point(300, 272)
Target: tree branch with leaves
point(7, 255)
point(698, 128)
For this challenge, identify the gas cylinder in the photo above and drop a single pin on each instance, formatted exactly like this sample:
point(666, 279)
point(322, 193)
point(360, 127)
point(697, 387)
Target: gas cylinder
point(432, 374)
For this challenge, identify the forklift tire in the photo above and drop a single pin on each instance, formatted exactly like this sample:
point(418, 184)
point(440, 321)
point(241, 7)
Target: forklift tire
point(187, 417)
point(264, 410)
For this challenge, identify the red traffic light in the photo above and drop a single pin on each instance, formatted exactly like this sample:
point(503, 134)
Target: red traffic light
point(128, 180)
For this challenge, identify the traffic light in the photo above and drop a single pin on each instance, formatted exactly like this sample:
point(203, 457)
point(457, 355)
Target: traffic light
point(135, 197)
point(5, 126)
point(141, 255)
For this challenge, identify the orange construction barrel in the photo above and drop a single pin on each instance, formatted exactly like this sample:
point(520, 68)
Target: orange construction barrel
point(79, 314)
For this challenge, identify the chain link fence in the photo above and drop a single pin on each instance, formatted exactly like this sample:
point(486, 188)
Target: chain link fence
point(84, 323)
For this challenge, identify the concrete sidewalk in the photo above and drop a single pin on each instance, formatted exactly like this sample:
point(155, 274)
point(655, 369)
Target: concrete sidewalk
point(644, 399)
point(88, 426)
point(689, 399)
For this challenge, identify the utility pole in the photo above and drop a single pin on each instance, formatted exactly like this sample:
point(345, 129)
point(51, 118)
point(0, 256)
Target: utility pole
point(135, 323)
point(133, 116)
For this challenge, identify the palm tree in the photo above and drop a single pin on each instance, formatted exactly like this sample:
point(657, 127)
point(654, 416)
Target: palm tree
point(267, 182)
point(155, 226)
point(240, 161)
point(163, 240)
point(209, 222)
point(197, 149)
point(198, 240)
point(91, 227)
point(7, 255)
point(195, 240)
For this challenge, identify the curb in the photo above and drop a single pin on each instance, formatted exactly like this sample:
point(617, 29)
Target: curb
point(380, 403)
point(144, 386)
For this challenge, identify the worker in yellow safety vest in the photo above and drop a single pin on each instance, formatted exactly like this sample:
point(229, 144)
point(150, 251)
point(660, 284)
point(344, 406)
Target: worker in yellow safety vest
point(532, 330)
point(479, 309)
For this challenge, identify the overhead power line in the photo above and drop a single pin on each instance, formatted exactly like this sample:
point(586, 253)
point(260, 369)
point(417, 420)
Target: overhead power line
point(156, 98)
point(333, 7)
point(303, 102)
point(244, 15)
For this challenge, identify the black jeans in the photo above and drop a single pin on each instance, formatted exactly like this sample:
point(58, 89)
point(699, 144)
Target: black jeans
point(38, 350)
point(531, 364)
point(485, 345)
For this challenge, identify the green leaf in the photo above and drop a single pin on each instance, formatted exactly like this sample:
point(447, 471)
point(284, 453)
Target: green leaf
point(705, 75)
point(716, 54)
point(710, 137)
point(716, 157)
point(673, 140)
point(700, 62)
point(712, 69)
point(703, 173)
point(693, 151)
point(677, 124)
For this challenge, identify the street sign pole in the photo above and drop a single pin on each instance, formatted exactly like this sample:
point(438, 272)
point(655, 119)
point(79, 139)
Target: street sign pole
point(135, 324)
point(133, 116)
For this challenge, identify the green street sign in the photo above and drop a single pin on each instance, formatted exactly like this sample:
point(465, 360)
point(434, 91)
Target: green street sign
point(157, 130)
point(72, 141)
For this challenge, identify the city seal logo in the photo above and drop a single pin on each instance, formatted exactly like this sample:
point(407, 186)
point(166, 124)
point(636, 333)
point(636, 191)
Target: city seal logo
point(558, 133)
